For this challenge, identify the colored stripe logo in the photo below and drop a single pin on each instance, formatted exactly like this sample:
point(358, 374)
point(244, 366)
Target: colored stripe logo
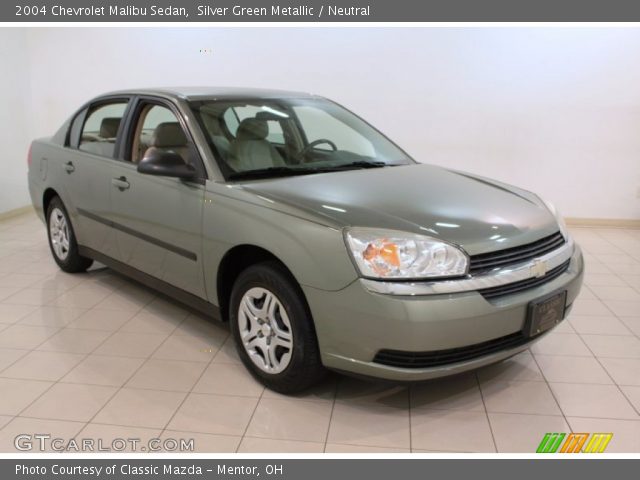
point(574, 443)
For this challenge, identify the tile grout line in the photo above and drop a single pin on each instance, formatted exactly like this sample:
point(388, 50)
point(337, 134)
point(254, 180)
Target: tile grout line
point(56, 382)
point(614, 381)
point(188, 394)
point(333, 406)
point(555, 398)
point(486, 412)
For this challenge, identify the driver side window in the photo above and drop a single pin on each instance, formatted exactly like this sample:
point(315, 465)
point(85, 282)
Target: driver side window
point(158, 128)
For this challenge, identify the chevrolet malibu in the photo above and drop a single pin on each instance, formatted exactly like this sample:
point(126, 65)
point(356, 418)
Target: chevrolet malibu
point(321, 242)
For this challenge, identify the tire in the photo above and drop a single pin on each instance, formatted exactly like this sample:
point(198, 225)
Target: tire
point(285, 373)
point(62, 239)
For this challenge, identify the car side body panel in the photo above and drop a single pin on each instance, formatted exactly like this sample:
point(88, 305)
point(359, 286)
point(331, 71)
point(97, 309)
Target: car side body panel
point(315, 253)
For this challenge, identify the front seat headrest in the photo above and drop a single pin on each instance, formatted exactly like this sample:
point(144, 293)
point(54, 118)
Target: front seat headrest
point(252, 129)
point(169, 134)
point(109, 127)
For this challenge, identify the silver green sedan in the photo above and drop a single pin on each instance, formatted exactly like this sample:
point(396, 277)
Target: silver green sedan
point(322, 243)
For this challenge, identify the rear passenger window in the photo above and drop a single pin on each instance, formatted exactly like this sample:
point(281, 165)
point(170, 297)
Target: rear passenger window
point(101, 128)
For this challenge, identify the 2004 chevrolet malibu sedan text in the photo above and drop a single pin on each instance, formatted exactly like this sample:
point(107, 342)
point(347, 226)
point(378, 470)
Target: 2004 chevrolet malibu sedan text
point(320, 241)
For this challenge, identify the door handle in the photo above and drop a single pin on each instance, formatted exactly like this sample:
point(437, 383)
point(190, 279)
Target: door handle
point(69, 168)
point(121, 183)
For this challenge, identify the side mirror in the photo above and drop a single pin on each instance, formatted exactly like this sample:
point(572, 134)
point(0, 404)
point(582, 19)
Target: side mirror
point(165, 163)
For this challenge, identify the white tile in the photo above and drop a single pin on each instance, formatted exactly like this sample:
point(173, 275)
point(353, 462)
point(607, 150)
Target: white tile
point(613, 345)
point(625, 371)
point(9, 356)
point(216, 414)
point(228, 379)
point(353, 390)
point(572, 369)
point(107, 320)
point(449, 430)
point(291, 419)
point(622, 293)
point(124, 344)
point(169, 375)
point(461, 392)
point(370, 425)
point(521, 367)
point(25, 336)
point(18, 394)
point(50, 366)
point(14, 313)
point(624, 308)
point(561, 344)
point(598, 401)
point(140, 408)
point(596, 325)
point(70, 402)
point(74, 340)
point(48, 316)
point(103, 370)
point(519, 397)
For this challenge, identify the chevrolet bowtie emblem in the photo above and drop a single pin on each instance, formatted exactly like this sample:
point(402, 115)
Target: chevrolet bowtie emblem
point(539, 268)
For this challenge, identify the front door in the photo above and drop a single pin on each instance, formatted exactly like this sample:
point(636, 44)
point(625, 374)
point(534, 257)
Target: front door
point(158, 220)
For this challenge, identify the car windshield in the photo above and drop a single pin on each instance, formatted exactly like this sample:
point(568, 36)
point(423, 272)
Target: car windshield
point(295, 136)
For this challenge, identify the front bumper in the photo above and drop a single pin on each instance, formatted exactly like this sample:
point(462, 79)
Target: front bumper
point(354, 324)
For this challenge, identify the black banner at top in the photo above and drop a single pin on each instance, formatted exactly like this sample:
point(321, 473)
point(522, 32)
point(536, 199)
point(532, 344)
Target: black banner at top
point(319, 11)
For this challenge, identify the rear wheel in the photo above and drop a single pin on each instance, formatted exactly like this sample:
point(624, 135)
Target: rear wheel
point(62, 240)
point(273, 329)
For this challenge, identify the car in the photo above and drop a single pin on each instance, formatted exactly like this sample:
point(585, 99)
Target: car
point(322, 243)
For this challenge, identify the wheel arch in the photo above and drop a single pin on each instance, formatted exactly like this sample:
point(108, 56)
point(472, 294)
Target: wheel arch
point(234, 262)
point(47, 196)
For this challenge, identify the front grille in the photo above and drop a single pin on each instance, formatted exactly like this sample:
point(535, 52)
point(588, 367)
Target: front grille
point(516, 287)
point(400, 359)
point(488, 261)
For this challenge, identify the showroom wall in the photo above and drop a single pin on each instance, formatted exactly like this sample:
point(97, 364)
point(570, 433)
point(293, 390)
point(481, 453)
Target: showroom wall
point(555, 110)
point(14, 125)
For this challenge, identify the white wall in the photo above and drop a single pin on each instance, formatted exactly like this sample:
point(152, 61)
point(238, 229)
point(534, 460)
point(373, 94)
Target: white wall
point(14, 126)
point(555, 110)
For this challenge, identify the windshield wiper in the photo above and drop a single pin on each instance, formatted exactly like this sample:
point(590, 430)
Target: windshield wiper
point(271, 172)
point(353, 165)
point(290, 172)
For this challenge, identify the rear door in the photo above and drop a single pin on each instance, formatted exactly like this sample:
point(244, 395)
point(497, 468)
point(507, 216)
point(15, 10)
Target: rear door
point(158, 220)
point(88, 168)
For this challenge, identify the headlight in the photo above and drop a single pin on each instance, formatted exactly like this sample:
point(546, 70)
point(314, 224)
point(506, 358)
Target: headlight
point(390, 254)
point(561, 223)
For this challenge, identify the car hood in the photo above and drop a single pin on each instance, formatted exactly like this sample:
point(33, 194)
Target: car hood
point(475, 213)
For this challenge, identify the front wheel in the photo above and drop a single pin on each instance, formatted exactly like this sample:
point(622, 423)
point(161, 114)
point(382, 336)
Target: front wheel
point(273, 329)
point(62, 240)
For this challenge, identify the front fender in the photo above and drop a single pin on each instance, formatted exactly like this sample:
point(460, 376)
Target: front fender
point(315, 253)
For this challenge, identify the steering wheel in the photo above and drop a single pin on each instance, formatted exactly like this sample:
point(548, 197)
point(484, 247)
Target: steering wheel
point(305, 150)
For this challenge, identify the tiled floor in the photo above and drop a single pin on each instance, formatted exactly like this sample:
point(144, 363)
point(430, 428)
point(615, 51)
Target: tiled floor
point(98, 356)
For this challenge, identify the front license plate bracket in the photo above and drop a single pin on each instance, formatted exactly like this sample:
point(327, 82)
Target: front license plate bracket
point(545, 313)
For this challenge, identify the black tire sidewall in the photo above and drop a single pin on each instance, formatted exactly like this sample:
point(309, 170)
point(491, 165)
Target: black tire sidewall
point(74, 262)
point(305, 367)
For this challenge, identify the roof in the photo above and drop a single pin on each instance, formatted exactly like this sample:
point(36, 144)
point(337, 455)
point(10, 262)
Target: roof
point(200, 93)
